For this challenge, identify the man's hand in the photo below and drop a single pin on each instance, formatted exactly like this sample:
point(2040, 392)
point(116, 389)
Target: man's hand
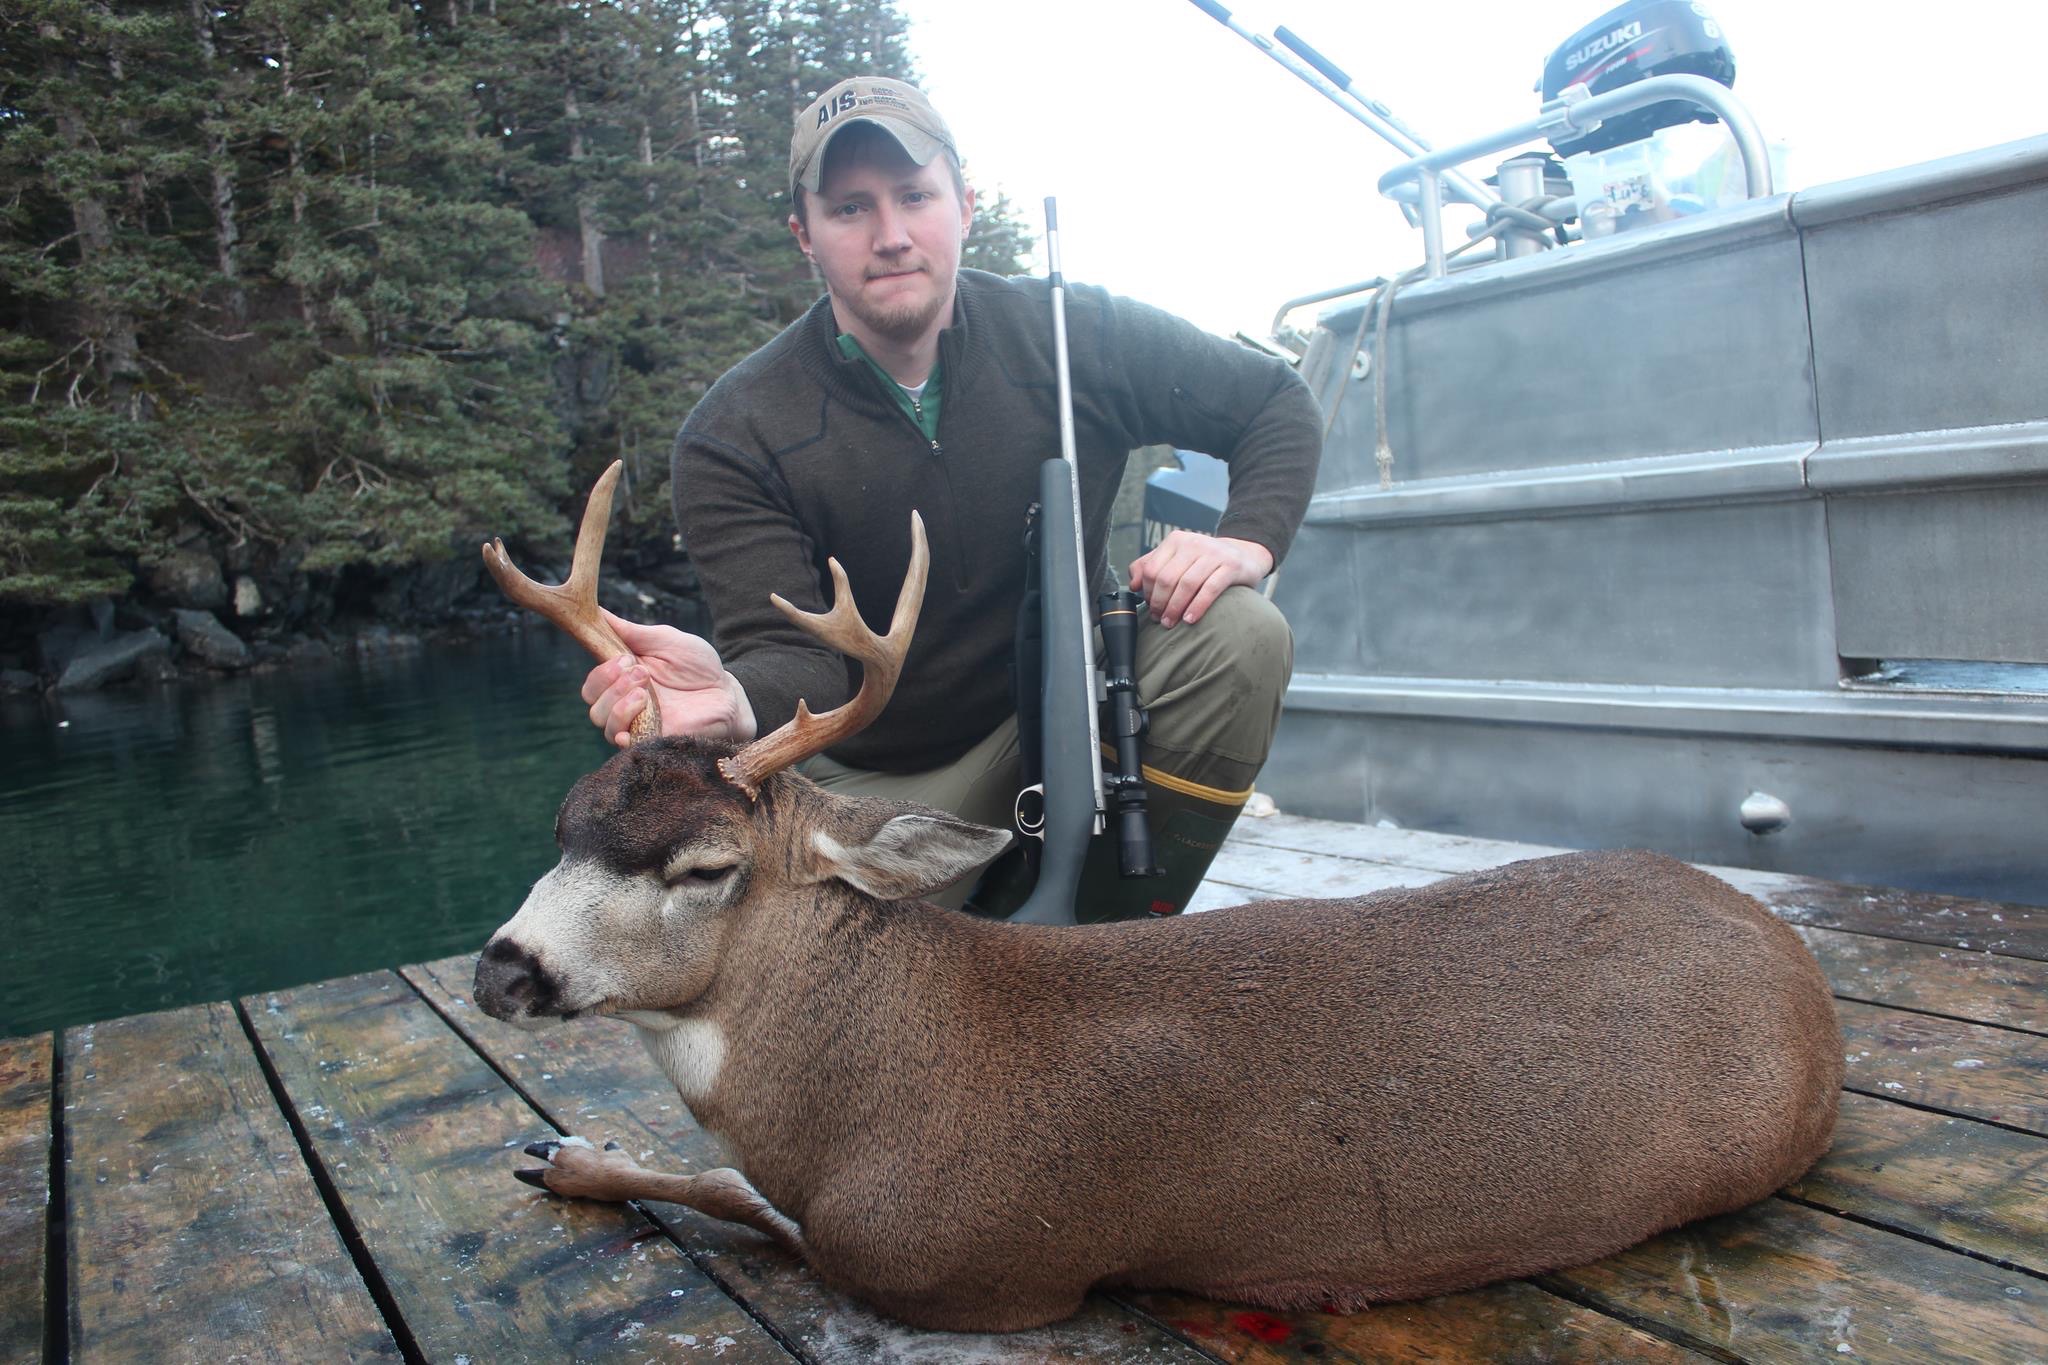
point(698, 697)
point(1187, 571)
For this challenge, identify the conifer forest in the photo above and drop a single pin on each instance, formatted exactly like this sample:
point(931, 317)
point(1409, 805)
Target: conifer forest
point(300, 302)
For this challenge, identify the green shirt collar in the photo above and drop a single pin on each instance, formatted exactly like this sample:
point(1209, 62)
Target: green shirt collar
point(923, 411)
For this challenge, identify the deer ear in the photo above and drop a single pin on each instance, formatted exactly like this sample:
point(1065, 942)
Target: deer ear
point(910, 854)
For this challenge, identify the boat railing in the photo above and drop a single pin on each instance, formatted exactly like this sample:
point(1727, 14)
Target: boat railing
point(1576, 111)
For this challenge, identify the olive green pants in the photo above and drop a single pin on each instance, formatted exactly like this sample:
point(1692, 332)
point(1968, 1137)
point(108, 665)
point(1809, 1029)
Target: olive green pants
point(1212, 694)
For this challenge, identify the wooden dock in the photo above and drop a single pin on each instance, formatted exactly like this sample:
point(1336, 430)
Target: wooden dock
point(324, 1173)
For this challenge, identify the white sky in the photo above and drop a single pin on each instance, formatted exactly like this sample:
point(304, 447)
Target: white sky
point(1195, 173)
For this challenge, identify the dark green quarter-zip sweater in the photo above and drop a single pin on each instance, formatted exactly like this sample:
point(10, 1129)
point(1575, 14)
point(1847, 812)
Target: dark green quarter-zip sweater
point(799, 453)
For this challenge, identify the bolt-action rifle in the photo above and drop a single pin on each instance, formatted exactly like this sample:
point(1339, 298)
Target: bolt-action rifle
point(1066, 794)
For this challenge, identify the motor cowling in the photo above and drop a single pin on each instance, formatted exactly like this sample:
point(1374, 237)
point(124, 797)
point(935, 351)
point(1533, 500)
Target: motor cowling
point(1633, 42)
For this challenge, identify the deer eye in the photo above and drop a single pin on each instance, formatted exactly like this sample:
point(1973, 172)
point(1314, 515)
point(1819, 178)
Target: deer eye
point(707, 874)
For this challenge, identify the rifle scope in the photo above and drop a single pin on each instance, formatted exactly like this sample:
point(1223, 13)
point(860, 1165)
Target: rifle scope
point(1118, 618)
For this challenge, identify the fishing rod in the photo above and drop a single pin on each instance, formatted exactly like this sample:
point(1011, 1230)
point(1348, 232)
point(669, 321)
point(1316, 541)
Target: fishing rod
point(1324, 77)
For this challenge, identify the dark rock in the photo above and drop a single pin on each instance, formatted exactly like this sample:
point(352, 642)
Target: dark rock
point(156, 668)
point(387, 603)
point(381, 639)
point(19, 680)
point(304, 651)
point(309, 600)
point(134, 615)
point(100, 664)
point(242, 558)
point(210, 641)
point(190, 577)
point(676, 576)
point(437, 587)
point(64, 640)
point(624, 597)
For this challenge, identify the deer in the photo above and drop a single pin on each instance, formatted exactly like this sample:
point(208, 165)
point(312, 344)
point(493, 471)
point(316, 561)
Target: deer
point(970, 1124)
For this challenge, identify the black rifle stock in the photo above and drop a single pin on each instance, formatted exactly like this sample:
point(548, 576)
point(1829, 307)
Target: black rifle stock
point(1069, 761)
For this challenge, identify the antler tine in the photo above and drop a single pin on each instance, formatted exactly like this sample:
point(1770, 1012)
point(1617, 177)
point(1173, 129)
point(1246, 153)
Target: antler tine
point(881, 658)
point(573, 605)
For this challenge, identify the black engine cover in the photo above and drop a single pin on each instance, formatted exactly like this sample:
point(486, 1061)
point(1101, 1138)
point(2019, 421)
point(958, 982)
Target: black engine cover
point(1633, 42)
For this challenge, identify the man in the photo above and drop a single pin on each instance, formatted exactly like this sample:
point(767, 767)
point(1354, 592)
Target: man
point(915, 384)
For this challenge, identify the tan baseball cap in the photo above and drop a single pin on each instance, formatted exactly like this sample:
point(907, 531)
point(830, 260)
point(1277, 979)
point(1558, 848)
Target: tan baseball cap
point(901, 109)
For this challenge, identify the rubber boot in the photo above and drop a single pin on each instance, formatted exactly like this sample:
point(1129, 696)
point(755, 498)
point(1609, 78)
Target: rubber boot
point(1188, 824)
point(1187, 830)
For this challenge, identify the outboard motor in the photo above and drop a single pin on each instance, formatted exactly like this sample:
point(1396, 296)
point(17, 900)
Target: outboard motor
point(1633, 42)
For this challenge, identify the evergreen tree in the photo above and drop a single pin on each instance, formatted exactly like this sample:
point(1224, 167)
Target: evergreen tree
point(319, 285)
point(411, 408)
point(89, 278)
point(1000, 242)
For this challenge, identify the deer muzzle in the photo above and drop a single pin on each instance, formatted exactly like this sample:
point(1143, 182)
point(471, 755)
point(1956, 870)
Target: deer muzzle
point(513, 985)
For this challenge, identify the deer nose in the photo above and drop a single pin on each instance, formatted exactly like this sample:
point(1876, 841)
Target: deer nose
point(510, 982)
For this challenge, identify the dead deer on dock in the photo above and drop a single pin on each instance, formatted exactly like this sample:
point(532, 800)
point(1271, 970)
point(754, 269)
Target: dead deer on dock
point(1292, 1103)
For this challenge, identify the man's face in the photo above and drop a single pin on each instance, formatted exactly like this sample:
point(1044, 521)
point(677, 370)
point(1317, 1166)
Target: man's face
point(886, 234)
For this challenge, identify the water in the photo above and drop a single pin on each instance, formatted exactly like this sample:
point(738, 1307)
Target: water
point(210, 839)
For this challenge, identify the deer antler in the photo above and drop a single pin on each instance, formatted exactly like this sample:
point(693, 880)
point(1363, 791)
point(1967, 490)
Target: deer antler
point(881, 659)
point(573, 605)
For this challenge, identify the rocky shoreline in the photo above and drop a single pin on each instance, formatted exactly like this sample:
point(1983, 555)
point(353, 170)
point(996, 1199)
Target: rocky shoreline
point(209, 610)
point(188, 618)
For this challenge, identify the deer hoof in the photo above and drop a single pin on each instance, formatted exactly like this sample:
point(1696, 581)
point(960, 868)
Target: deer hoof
point(544, 1150)
point(612, 1146)
point(538, 1177)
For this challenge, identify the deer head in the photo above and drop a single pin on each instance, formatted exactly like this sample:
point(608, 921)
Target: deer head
point(676, 848)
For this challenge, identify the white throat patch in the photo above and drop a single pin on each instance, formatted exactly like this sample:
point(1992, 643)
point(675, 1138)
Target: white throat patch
point(690, 1052)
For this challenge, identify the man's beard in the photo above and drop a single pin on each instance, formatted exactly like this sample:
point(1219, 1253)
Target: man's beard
point(899, 321)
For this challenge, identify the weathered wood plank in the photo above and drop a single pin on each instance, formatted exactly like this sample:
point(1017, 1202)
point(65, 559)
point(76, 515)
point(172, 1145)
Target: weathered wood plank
point(1511, 1324)
point(1779, 1281)
point(1979, 986)
point(1290, 873)
point(594, 1077)
point(1984, 988)
point(195, 1230)
point(1953, 921)
point(24, 1193)
point(1213, 894)
point(419, 1138)
point(1385, 844)
point(1987, 1073)
point(1954, 1180)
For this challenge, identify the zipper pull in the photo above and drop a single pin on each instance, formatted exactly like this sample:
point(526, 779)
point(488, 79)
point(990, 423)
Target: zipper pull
point(938, 452)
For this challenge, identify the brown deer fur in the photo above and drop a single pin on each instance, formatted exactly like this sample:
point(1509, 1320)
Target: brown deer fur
point(1290, 1103)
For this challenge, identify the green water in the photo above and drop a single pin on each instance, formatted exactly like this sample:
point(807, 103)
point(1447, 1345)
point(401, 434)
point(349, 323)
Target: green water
point(203, 840)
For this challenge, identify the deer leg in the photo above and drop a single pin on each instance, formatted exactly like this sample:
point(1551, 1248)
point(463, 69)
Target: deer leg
point(579, 1170)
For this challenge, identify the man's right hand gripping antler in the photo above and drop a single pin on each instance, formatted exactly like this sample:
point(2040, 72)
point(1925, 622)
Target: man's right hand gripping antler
point(641, 665)
point(696, 694)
